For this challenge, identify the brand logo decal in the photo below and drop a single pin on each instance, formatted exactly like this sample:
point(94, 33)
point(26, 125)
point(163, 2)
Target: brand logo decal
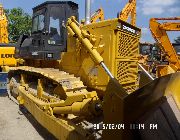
point(129, 29)
point(7, 55)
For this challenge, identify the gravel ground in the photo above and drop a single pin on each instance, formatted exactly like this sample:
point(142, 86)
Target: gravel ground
point(15, 125)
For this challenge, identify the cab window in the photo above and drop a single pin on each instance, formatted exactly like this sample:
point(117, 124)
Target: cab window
point(55, 27)
point(38, 23)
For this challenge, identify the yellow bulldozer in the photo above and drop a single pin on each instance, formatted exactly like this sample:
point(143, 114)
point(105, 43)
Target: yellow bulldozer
point(6, 50)
point(81, 81)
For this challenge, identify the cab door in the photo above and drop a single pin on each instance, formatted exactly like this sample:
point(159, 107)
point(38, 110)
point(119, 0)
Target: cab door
point(38, 36)
point(55, 41)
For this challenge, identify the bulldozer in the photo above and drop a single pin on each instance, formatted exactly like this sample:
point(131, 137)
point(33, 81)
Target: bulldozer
point(81, 81)
point(6, 50)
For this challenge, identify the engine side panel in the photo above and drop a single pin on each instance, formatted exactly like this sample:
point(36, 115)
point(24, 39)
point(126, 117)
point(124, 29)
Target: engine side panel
point(117, 42)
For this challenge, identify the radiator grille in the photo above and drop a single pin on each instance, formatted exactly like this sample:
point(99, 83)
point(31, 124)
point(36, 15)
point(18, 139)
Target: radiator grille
point(127, 51)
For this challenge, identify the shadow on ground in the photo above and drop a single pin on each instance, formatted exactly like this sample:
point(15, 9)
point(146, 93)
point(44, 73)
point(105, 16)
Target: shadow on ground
point(39, 128)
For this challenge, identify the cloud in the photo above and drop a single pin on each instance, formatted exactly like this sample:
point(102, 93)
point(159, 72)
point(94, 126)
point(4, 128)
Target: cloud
point(145, 30)
point(146, 35)
point(152, 10)
point(151, 7)
point(174, 10)
point(153, 3)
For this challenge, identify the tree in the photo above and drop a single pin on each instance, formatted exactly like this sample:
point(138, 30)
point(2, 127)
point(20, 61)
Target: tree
point(177, 40)
point(19, 23)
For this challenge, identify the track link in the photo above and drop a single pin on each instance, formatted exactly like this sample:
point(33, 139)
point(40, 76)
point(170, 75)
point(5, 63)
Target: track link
point(71, 85)
point(68, 82)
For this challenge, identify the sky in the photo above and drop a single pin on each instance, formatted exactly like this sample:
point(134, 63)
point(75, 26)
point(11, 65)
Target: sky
point(146, 9)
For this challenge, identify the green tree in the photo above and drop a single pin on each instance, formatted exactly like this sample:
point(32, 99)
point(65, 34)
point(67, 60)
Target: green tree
point(19, 23)
point(177, 40)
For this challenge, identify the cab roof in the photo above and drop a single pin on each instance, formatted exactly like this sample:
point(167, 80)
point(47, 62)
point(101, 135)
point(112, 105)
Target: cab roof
point(55, 2)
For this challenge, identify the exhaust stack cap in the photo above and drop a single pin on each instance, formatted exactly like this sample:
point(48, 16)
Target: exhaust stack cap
point(87, 11)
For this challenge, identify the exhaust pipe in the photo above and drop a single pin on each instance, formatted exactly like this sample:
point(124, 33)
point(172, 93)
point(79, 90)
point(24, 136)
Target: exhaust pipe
point(87, 11)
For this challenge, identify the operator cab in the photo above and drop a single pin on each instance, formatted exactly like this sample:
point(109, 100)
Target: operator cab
point(48, 36)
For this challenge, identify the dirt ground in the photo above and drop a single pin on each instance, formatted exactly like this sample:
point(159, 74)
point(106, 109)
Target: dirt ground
point(19, 125)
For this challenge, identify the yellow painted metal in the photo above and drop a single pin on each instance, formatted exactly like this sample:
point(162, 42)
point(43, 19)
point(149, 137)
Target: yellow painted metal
point(7, 56)
point(5, 68)
point(82, 107)
point(60, 127)
point(56, 113)
point(6, 53)
point(3, 26)
point(99, 14)
point(82, 36)
point(73, 94)
point(164, 70)
point(116, 47)
point(46, 111)
point(22, 81)
point(173, 88)
point(129, 11)
point(39, 88)
point(108, 41)
point(137, 107)
point(77, 108)
point(105, 41)
point(158, 31)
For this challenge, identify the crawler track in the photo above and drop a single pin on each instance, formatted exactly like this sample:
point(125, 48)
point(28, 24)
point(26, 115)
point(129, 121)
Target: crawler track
point(72, 88)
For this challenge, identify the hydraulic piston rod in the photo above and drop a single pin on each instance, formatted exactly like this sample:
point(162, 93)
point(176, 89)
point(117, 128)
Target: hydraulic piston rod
point(75, 30)
point(146, 72)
